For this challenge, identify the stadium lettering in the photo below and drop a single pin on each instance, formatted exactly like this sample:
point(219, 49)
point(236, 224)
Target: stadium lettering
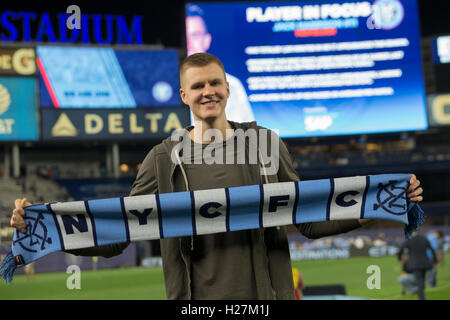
point(276, 201)
point(70, 222)
point(205, 210)
point(142, 217)
point(18, 26)
point(340, 199)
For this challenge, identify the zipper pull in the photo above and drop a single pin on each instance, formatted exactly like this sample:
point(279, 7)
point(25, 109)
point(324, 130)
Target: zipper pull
point(192, 243)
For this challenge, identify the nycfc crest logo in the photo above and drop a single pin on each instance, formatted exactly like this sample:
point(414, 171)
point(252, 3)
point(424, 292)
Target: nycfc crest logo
point(36, 234)
point(388, 197)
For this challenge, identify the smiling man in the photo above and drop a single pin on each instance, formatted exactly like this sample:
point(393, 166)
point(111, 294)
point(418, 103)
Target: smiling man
point(205, 90)
point(198, 39)
point(249, 264)
point(246, 264)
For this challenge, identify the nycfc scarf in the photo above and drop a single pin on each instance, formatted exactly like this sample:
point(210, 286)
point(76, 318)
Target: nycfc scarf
point(82, 224)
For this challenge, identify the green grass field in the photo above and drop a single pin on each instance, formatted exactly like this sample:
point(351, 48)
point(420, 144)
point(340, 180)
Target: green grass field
point(148, 283)
point(353, 274)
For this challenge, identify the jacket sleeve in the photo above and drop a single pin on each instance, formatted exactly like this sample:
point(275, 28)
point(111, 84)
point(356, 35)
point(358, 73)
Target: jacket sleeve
point(145, 183)
point(311, 230)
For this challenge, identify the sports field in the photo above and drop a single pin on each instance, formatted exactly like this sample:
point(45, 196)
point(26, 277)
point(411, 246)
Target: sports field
point(148, 283)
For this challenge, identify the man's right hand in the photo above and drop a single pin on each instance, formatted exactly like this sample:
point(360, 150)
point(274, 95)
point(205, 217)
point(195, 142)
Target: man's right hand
point(17, 220)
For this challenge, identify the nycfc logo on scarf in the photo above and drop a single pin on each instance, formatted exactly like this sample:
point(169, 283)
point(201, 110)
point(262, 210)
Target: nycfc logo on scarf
point(388, 197)
point(35, 238)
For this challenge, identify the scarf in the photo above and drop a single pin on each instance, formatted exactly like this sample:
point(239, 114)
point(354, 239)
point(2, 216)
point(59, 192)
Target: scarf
point(82, 224)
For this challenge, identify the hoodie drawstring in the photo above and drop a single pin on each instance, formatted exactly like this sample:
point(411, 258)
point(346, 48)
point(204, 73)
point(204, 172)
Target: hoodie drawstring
point(187, 188)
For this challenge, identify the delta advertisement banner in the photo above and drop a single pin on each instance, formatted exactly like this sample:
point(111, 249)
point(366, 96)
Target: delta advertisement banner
point(18, 109)
point(112, 124)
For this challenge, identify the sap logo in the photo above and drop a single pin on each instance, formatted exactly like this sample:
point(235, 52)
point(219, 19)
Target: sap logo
point(318, 122)
point(344, 200)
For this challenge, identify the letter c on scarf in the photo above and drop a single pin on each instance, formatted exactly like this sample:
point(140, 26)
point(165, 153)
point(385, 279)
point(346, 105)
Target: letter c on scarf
point(204, 209)
point(340, 199)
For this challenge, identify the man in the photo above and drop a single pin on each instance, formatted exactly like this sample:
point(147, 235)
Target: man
point(434, 239)
point(249, 264)
point(198, 39)
point(418, 262)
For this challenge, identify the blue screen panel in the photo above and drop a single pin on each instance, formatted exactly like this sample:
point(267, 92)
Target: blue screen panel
point(18, 109)
point(77, 77)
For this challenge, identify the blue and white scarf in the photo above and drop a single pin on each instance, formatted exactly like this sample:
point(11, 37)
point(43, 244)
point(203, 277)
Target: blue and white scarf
point(82, 224)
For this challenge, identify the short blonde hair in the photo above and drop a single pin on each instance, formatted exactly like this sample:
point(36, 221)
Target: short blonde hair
point(199, 60)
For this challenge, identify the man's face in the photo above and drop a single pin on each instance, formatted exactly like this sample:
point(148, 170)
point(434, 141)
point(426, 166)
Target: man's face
point(205, 91)
point(198, 40)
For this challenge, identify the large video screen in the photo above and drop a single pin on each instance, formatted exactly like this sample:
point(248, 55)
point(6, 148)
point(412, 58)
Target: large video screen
point(316, 68)
point(94, 77)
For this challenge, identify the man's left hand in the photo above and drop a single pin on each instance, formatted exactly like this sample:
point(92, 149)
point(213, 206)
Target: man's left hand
point(414, 191)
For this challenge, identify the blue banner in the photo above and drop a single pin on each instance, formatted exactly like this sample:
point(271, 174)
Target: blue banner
point(18, 109)
point(317, 68)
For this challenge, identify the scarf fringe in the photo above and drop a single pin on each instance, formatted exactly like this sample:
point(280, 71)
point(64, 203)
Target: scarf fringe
point(416, 218)
point(8, 267)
